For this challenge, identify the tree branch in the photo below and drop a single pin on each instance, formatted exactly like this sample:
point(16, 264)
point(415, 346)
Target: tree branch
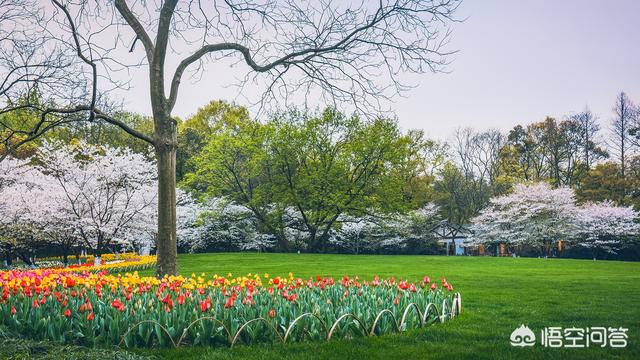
point(136, 26)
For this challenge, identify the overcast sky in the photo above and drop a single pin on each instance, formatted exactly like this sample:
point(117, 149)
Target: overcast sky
point(518, 62)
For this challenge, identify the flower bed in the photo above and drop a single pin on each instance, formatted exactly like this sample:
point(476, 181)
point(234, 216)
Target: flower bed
point(126, 262)
point(139, 262)
point(113, 257)
point(133, 311)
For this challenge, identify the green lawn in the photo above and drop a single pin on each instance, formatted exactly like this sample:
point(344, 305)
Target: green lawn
point(498, 294)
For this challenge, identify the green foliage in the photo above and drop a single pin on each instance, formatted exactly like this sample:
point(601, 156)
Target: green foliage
point(195, 132)
point(322, 165)
point(458, 196)
point(103, 134)
point(559, 151)
point(605, 182)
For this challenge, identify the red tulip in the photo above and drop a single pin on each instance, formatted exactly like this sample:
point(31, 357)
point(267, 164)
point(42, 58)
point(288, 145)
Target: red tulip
point(167, 299)
point(180, 299)
point(90, 316)
point(412, 288)
point(67, 313)
point(13, 310)
point(118, 304)
point(433, 286)
point(272, 313)
point(426, 280)
point(205, 305)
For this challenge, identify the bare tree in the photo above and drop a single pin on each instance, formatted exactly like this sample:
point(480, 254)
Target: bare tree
point(635, 128)
point(621, 127)
point(588, 137)
point(478, 154)
point(330, 50)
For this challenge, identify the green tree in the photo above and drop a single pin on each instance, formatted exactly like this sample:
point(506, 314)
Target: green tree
point(194, 132)
point(318, 166)
point(459, 197)
point(100, 133)
point(605, 182)
point(234, 164)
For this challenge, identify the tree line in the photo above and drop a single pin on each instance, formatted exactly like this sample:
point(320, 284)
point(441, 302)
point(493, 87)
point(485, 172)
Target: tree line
point(325, 181)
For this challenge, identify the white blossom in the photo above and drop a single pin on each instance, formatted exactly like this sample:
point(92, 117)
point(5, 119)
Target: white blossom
point(106, 197)
point(605, 226)
point(532, 215)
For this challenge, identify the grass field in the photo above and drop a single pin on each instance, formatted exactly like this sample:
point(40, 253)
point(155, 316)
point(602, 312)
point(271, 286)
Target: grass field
point(498, 294)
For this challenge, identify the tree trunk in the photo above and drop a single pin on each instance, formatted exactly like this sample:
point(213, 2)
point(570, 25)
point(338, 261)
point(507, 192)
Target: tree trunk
point(167, 247)
point(25, 259)
point(8, 258)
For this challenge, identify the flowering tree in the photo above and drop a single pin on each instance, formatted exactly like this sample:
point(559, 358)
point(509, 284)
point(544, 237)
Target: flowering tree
point(110, 193)
point(534, 215)
point(188, 213)
point(218, 224)
point(20, 211)
point(537, 215)
point(387, 231)
point(107, 195)
point(86, 196)
point(354, 234)
point(41, 207)
point(604, 226)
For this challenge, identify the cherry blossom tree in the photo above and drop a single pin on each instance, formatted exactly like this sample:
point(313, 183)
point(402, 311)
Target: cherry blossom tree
point(355, 233)
point(109, 194)
point(73, 196)
point(19, 210)
point(43, 208)
point(389, 232)
point(604, 226)
point(535, 215)
point(219, 224)
point(188, 213)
